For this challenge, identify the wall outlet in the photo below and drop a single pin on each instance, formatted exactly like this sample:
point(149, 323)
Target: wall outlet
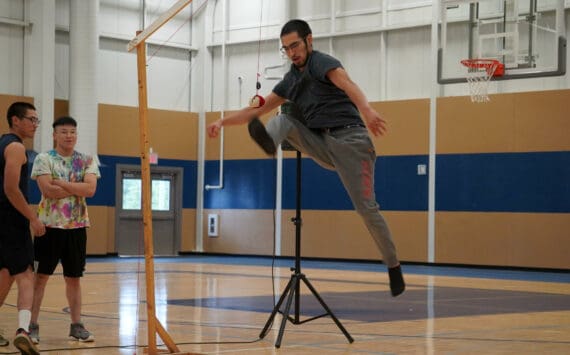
point(212, 225)
point(422, 169)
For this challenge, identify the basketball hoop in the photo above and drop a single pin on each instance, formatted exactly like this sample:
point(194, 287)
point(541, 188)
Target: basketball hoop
point(479, 73)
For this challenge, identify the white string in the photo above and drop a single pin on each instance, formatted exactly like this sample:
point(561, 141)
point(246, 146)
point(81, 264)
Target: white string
point(478, 79)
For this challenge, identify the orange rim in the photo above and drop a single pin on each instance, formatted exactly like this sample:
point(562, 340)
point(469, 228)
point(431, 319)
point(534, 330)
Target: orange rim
point(488, 64)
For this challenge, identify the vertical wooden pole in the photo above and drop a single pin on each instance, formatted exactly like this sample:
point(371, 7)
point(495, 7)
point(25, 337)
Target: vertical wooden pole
point(146, 196)
point(153, 324)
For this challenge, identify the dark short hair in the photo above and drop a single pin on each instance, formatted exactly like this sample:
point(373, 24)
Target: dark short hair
point(18, 109)
point(301, 27)
point(65, 120)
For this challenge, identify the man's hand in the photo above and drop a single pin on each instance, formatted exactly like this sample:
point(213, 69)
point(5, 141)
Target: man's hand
point(38, 227)
point(213, 129)
point(375, 123)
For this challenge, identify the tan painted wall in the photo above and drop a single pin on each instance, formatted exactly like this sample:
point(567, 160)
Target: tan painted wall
point(342, 235)
point(521, 122)
point(172, 134)
point(240, 232)
point(506, 239)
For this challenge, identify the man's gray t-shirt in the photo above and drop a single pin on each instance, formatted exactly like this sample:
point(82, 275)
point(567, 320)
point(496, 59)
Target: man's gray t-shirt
point(322, 103)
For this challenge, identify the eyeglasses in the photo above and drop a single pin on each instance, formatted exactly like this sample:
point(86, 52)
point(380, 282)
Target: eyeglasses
point(33, 119)
point(291, 47)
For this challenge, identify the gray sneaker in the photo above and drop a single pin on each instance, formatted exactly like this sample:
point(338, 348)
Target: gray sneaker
point(79, 333)
point(35, 332)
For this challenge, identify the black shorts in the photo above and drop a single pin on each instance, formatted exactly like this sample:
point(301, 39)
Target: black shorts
point(66, 245)
point(16, 247)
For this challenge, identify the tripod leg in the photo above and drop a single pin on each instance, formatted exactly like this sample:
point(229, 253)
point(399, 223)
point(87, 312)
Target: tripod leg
point(276, 309)
point(287, 309)
point(334, 318)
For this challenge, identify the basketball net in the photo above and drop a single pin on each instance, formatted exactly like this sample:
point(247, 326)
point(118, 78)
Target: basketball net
point(479, 74)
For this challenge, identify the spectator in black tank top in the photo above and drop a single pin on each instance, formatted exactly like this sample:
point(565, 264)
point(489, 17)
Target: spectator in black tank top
point(16, 218)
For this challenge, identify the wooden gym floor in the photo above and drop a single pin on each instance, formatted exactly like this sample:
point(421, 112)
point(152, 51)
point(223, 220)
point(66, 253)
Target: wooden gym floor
point(218, 305)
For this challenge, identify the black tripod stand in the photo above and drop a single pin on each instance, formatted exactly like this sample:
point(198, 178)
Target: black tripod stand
point(292, 290)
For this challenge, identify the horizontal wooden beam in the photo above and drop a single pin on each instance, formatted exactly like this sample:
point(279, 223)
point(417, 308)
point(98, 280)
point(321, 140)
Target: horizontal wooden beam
point(161, 20)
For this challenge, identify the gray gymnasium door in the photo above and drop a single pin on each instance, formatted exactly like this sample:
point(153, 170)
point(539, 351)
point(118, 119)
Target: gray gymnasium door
point(166, 191)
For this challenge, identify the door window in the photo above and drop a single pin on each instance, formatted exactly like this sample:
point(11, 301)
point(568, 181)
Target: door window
point(132, 194)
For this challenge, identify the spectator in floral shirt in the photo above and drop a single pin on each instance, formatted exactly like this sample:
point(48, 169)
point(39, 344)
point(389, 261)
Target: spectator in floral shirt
point(65, 178)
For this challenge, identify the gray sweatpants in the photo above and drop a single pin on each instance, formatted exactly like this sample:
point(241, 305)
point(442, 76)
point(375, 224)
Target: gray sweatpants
point(351, 154)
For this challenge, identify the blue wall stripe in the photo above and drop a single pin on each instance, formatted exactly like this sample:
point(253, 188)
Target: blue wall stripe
point(397, 185)
point(536, 182)
point(248, 184)
point(504, 182)
point(494, 182)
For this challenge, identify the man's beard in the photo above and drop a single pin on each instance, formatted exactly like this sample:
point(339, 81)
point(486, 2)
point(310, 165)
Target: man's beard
point(303, 64)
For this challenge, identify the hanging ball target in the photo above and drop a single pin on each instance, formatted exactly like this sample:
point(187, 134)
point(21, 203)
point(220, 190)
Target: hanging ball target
point(256, 101)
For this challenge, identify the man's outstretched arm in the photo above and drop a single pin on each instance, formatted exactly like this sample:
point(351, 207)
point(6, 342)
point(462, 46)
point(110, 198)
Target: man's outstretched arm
point(272, 101)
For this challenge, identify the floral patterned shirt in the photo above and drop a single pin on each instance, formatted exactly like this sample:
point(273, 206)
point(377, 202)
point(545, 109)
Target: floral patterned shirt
point(68, 212)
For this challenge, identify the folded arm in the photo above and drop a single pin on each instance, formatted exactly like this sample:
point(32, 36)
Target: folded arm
point(85, 188)
point(49, 189)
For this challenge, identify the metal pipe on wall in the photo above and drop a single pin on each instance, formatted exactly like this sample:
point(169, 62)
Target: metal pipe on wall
point(433, 132)
point(384, 53)
point(332, 27)
point(205, 58)
point(287, 10)
point(223, 99)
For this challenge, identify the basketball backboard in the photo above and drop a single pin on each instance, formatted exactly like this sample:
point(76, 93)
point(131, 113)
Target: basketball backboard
point(527, 36)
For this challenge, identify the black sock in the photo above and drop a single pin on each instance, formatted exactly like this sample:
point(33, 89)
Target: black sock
point(397, 284)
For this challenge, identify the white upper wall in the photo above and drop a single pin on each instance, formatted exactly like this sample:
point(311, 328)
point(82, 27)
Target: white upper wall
point(387, 51)
point(12, 27)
